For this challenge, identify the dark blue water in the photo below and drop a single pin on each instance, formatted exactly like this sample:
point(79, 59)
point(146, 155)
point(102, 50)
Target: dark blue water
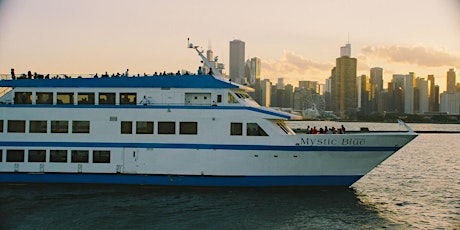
point(417, 188)
point(141, 207)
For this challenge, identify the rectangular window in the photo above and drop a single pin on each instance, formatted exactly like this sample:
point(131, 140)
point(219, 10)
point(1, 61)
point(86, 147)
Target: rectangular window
point(23, 98)
point(106, 98)
point(38, 126)
point(254, 129)
point(144, 127)
point(126, 127)
point(80, 156)
point(44, 98)
point(59, 126)
point(15, 155)
point(166, 127)
point(16, 126)
point(127, 98)
point(236, 129)
point(1, 155)
point(65, 98)
point(219, 98)
point(101, 156)
point(188, 128)
point(58, 156)
point(37, 155)
point(1, 126)
point(80, 126)
point(86, 98)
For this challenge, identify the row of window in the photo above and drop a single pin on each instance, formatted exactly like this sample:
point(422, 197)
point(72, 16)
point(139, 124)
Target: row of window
point(55, 156)
point(141, 127)
point(164, 127)
point(41, 126)
point(70, 98)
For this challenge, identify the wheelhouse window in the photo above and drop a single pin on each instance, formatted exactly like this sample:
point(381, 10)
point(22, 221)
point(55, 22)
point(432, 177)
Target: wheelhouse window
point(253, 129)
point(65, 98)
point(16, 126)
point(126, 127)
point(231, 99)
point(236, 129)
point(144, 127)
point(80, 156)
point(44, 98)
point(284, 127)
point(80, 126)
point(127, 98)
point(59, 126)
point(38, 126)
point(37, 155)
point(86, 98)
point(101, 156)
point(188, 128)
point(106, 98)
point(23, 98)
point(59, 156)
point(166, 127)
point(14, 155)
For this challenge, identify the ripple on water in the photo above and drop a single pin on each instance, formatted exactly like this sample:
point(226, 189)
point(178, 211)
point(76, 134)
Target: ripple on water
point(419, 185)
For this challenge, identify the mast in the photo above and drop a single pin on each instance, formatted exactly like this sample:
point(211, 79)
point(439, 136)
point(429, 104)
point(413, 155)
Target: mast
point(215, 71)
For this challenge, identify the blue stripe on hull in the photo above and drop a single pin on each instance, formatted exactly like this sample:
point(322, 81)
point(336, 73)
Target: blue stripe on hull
point(178, 180)
point(197, 146)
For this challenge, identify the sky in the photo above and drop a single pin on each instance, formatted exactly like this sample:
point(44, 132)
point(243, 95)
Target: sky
point(295, 39)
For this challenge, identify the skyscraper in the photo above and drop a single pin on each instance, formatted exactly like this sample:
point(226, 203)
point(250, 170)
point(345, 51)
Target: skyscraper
point(433, 97)
point(451, 80)
point(376, 87)
point(422, 93)
point(344, 87)
point(363, 93)
point(265, 86)
point(252, 70)
point(237, 53)
point(409, 93)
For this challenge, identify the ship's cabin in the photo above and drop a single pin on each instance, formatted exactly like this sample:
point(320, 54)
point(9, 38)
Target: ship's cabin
point(126, 96)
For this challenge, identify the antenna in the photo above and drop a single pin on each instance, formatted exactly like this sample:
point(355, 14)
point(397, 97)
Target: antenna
point(348, 38)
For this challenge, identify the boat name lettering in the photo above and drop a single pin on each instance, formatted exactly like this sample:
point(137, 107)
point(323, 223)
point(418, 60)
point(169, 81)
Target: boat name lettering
point(329, 141)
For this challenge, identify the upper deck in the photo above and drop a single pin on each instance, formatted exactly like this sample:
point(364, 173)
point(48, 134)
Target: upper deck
point(154, 81)
point(150, 91)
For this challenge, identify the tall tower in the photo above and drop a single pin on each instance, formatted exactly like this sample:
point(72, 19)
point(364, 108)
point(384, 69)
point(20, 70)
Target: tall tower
point(363, 93)
point(433, 103)
point(252, 70)
point(344, 94)
point(422, 93)
point(409, 93)
point(451, 80)
point(237, 53)
point(376, 82)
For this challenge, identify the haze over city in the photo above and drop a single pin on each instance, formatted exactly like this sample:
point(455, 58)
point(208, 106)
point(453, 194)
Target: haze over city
point(296, 40)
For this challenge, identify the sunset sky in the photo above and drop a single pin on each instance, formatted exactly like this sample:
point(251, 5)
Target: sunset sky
point(295, 39)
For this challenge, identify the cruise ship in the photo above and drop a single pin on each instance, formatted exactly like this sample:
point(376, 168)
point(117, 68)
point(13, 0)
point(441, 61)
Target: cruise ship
point(170, 130)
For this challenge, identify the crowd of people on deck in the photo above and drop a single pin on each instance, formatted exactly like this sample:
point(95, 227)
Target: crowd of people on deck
point(35, 75)
point(325, 130)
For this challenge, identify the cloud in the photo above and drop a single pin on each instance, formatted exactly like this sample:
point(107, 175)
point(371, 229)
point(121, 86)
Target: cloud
point(417, 55)
point(293, 64)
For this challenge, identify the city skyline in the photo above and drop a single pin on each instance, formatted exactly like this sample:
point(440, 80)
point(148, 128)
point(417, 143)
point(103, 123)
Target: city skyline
point(296, 40)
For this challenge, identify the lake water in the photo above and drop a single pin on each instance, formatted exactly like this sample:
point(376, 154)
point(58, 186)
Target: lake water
point(417, 188)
